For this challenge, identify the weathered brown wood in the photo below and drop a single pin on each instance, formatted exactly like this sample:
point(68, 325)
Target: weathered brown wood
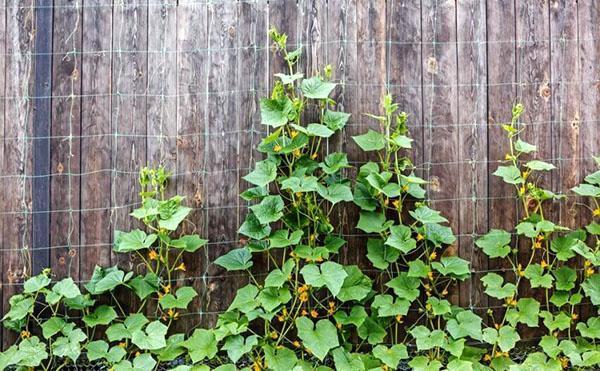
point(222, 182)
point(440, 117)
point(65, 143)
point(501, 89)
point(534, 91)
point(192, 116)
point(3, 200)
point(16, 160)
point(96, 150)
point(473, 142)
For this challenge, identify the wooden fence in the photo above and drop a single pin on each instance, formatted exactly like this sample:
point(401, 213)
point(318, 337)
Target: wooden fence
point(95, 89)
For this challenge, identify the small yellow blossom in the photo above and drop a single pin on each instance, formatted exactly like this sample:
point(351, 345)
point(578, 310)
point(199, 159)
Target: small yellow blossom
point(420, 237)
point(274, 335)
point(25, 334)
point(405, 188)
point(589, 272)
point(180, 267)
point(296, 343)
point(432, 256)
point(294, 134)
point(303, 297)
point(537, 245)
point(313, 156)
point(430, 275)
point(445, 292)
point(543, 264)
point(167, 289)
point(508, 157)
point(297, 153)
point(277, 148)
point(304, 313)
point(487, 357)
point(574, 316)
point(152, 255)
point(396, 204)
point(122, 344)
point(596, 212)
point(314, 313)
point(399, 318)
point(587, 263)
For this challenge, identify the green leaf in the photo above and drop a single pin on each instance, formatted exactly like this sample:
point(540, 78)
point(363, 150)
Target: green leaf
point(404, 286)
point(417, 268)
point(283, 238)
point(494, 287)
point(524, 147)
point(133, 241)
point(254, 193)
point(272, 297)
point(66, 288)
point(439, 306)
point(152, 338)
point(316, 88)
point(591, 329)
point(289, 79)
point(506, 338)
point(387, 306)
point(329, 274)
point(336, 193)
point(357, 316)
point(563, 247)
point(379, 254)
point(372, 331)
point(527, 312)
point(99, 350)
point(106, 279)
point(20, 307)
point(371, 222)
point(145, 286)
point(69, 345)
point(236, 346)
point(36, 283)
point(253, 228)
point(356, 285)
point(587, 190)
point(103, 315)
point(465, 323)
point(275, 112)
point(591, 286)
point(264, 173)
point(540, 165)
point(335, 120)
point(120, 331)
point(422, 363)
point(453, 266)
point(510, 174)
point(32, 352)
point(269, 209)
point(319, 338)
point(536, 276)
point(52, 326)
point(495, 244)
point(245, 299)
point(189, 243)
point(371, 141)
point(425, 215)
point(180, 300)
point(427, 339)
point(561, 321)
point(400, 238)
point(565, 278)
point(175, 219)
point(593, 178)
point(277, 277)
point(401, 141)
point(318, 130)
point(280, 359)
point(300, 184)
point(391, 356)
point(235, 260)
point(334, 162)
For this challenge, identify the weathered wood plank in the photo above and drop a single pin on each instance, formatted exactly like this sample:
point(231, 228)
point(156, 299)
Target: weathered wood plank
point(42, 122)
point(66, 143)
point(440, 107)
point(3, 200)
point(96, 141)
point(17, 161)
point(501, 90)
point(473, 142)
point(534, 91)
point(192, 72)
point(589, 54)
point(223, 125)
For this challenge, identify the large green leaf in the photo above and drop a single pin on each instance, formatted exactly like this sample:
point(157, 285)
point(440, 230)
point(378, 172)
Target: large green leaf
point(334, 162)
point(379, 254)
point(269, 209)
point(372, 222)
point(329, 274)
point(453, 266)
point(400, 238)
point(66, 288)
point(495, 244)
point(316, 88)
point(36, 283)
point(587, 190)
point(537, 277)
point(404, 286)
point(152, 337)
point(264, 173)
point(371, 141)
point(527, 312)
point(565, 278)
point(495, 287)
point(510, 174)
point(283, 238)
point(356, 285)
point(133, 241)
point(591, 286)
point(465, 323)
point(103, 315)
point(425, 215)
point(69, 345)
point(319, 338)
point(539, 165)
point(236, 346)
point(427, 339)
point(506, 338)
point(272, 297)
point(172, 222)
point(189, 243)
point(335, 120)
point(336, 193)
point(180, 300)
point(235, 260)
point(106, 279)
point(202, 344)
point(144, 286)
point(275, 112)
point(387, 306)
point(253, 228)
point(391, 356)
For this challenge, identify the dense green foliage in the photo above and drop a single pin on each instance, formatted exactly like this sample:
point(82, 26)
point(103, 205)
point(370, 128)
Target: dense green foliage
point(311, 311)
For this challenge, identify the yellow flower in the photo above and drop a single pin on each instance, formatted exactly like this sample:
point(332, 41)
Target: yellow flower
point(331, 304)
point(319, 259)
point(564, 362)
point(589, 272)
point(152, 255)
point(432, 256)
point(445, 292)
point(543, 264)
point(277, 148)
point(304, 313)
point(303, 297)
point(296, 343)
point(297, 153)
point(180, 267)
point(487, 357)
point(122, 344)
point(508, 157)
point(274, 335)
point(280, 318)
point(294, 134)
point(399, 318)
point(522, 190)
point(338, 325)
point(420, 237)
point(430, 275)
point(520, 271)
point(386, 201)
point(313, 156)
point(167, 289)
point(314, 313)
point(596, 212)
point(396, 204)
point(137, 354)
point(587, 263)
point(172, 314)
point(537, 245)
point(25, 334)
point(574, 316)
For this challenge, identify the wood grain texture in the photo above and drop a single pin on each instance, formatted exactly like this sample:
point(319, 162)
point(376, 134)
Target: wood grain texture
point(3, 200)
point(472, 142)
point(501, 93)
point(96, 141)
point(192, 121)
point(17, 159)
point(66, 138)
point(440, 117)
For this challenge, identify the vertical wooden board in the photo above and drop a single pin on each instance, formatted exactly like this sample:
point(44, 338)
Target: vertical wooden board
point(286, 17)
point(472, 142)
point(192, 72)
point(314, 13)
point(162, 86)
point(501, 88)
point(3, 181)
point(404, 73)
point(589, 54)
point(370, 85)
point(339, 35)
point(96, 140)
point(66, 134)
point(16, 161)
point(222, 183)
point(440, 99)
point(534, 91)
